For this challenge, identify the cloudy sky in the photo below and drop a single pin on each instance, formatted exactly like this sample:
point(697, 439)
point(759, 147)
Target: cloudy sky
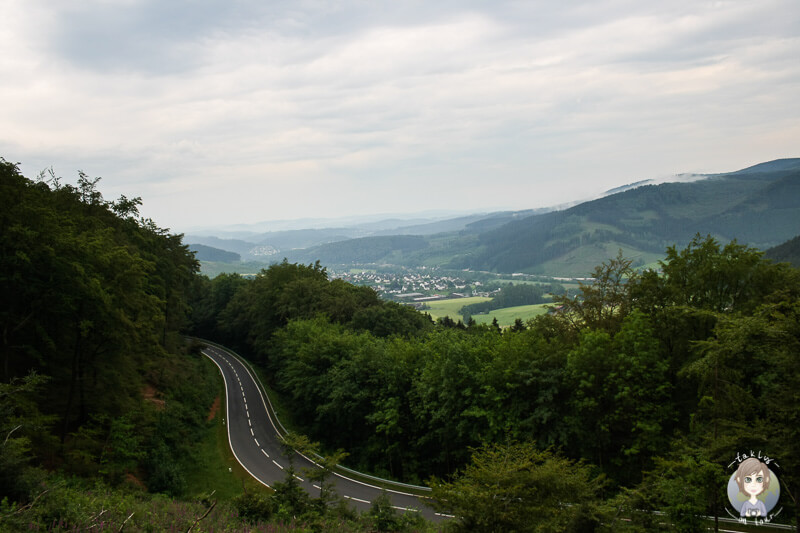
point(237, 111)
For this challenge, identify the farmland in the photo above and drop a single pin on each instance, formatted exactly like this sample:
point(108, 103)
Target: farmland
point(505, 317)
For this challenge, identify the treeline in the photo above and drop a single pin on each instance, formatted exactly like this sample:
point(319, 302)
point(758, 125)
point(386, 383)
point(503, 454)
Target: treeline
point(639, 371)
point(510, 295)
point(94, 298)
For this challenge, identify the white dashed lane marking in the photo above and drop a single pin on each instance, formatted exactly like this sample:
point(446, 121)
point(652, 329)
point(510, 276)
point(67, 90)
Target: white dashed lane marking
point(265, 453)
point(276, 464)
point(357, 499)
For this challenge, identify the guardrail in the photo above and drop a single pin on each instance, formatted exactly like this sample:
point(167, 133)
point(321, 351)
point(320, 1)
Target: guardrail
point(382, 482)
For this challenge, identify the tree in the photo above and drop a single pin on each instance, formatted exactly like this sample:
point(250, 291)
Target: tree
point(516, 487)
point(621, 397)
point(21, 422)
point(706, 275)
point(604, 303)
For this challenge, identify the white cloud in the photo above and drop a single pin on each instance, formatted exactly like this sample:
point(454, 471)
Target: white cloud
point(332, 108)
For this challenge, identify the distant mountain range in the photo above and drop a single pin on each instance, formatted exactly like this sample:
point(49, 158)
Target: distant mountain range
point(758, 206)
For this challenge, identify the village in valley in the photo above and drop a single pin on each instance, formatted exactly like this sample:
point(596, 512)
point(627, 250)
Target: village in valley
point(426, 284)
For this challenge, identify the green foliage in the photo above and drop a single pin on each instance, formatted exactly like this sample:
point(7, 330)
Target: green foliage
point(20, 423)
point(603, 303)
point(254, 508)
point(621, 393)
point(707, 276)
point(90, 293)
point(383, 517)
point(516, 487)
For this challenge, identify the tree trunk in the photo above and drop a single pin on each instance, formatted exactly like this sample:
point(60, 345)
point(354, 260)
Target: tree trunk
point(72, 385)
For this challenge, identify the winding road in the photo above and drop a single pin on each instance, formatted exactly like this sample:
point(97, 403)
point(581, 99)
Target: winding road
point(255, 441)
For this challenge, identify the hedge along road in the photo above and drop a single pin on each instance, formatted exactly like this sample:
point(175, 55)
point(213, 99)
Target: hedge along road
point(255, 440)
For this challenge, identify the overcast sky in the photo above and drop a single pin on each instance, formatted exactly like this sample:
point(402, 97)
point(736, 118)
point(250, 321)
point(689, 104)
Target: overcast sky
point(237, 111)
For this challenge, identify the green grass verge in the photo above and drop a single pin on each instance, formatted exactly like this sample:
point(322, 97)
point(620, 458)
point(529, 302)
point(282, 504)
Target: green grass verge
point(216, 469)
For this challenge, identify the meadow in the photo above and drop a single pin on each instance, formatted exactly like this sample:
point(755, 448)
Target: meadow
point(505, 317)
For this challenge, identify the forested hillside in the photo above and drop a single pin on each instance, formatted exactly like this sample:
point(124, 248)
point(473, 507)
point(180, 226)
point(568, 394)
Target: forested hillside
point(758, 206)
point(788, 252)
point(95, 404)
point(209, 253)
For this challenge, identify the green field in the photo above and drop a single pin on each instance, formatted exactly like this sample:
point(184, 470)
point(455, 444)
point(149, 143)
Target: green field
point(505, 317)
point(443, 308)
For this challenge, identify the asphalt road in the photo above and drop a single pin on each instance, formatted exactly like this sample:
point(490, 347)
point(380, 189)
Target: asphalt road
point(254, 440)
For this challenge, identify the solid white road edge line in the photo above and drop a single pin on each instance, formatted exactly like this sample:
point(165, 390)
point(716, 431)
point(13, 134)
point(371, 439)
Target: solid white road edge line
point(263, 401)
point(228, 426)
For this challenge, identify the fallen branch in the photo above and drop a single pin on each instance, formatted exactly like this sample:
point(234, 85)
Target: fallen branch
point(125, 522)
point(197, 521)
point(28, 506)
point(10, 432)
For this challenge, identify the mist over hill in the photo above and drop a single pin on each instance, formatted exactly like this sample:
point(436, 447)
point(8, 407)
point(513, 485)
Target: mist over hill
point(758, 206)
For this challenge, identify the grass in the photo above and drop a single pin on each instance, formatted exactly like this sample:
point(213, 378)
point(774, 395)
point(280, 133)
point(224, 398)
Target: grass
point(450, 307)
point(582, 261)
point(216, 468)
point(507, 315)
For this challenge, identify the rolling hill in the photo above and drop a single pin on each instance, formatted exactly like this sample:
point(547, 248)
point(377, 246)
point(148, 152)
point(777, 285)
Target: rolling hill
point(788, 252)
point(759, 206)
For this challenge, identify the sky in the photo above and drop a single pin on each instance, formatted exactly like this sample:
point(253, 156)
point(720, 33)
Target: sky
point(219, 112)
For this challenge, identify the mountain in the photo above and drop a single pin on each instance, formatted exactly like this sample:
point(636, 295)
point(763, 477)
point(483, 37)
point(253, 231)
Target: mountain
point(788, 252)
point(364, 250)
point(758, 206)
point(209, 253)
point(229, 245)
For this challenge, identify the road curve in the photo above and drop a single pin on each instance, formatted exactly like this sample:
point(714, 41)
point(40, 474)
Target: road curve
point(255, 441)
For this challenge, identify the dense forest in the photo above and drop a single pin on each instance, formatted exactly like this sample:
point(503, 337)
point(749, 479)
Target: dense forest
point(636, 395)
